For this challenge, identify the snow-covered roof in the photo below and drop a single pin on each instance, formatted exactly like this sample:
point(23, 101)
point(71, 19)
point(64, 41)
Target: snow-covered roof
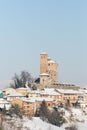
point(22, 88)
point(37, 99)
point(51, 61)
point(44, 74)
point(67, 91)
point(43, 53)
point(83, 91)
point(49, 91)
point(15, 94)
point(35, 91)
point(3, 101)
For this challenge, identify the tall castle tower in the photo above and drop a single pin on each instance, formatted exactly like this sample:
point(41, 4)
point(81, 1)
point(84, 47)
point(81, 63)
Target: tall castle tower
point(48, 70)
point(43, 62)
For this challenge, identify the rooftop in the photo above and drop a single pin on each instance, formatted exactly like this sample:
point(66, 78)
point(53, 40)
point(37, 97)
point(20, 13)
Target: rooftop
point(15, 94)
point(50, 91)
point(44, 74)
point(51, 61)
point(67, 91)
point(37, 99)
point(43, 53)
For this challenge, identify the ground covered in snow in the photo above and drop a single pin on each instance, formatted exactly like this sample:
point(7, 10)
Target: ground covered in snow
point(37, 124)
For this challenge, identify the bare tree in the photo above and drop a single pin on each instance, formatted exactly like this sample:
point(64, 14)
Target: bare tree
point(23, 80)
point(26, 78)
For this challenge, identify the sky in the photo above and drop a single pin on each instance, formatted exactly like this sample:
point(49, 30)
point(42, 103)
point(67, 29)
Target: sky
point(58, 28)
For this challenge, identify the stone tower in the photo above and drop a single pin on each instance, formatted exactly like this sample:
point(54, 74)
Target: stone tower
point(48, 70)
point(43, 62)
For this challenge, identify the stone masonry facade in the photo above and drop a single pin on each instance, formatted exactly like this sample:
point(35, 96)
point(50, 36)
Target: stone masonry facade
point(48, 70)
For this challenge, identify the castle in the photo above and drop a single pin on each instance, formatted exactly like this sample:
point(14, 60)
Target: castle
point(48, 70)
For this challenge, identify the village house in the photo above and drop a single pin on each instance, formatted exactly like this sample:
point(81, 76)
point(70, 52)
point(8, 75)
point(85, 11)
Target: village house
point(68, 96)
point(23, 90)
point(51, 93)
point(8, 91)
point(82, 98)
point(34, 93)
point(29, 105)
point(14, 95)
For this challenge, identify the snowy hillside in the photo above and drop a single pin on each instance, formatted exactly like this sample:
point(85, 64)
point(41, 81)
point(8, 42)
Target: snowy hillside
point(37, 124)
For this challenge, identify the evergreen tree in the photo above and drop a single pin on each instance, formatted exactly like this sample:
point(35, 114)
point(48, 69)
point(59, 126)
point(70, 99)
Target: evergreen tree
point(43, 111)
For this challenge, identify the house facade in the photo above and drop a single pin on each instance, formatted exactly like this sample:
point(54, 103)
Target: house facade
point(68, 96)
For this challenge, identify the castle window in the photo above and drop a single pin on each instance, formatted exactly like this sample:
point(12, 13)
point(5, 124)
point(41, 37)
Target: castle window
point(48, 104)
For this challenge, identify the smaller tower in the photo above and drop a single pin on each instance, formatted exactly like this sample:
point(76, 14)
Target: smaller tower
point(44, 79)
point(53, 71)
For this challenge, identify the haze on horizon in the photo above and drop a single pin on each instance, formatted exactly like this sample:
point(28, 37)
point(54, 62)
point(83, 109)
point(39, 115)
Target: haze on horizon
point(59, 28)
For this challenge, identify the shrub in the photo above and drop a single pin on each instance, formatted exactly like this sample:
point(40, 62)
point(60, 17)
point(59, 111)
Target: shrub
point(56, 118)
point(73, 127)
point(15, 110)
point(1, 128)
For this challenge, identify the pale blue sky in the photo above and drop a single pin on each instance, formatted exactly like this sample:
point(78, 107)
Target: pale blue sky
point(58, 27)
